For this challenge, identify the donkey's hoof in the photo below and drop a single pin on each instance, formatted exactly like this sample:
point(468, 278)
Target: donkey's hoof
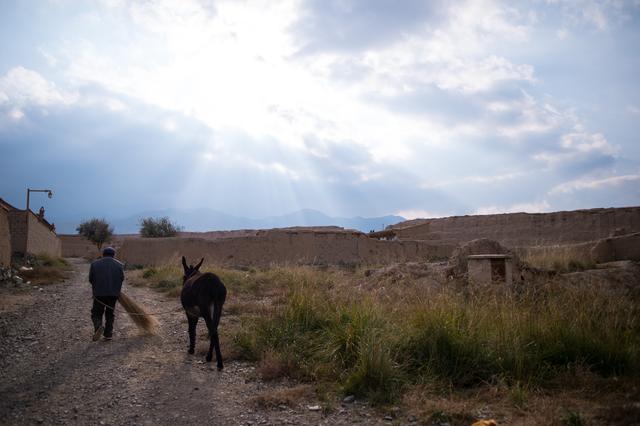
point(191, 351)
point(208, 358)
point(220, 367)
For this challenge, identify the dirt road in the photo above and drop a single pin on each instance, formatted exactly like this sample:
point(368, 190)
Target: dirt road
point(52, 373)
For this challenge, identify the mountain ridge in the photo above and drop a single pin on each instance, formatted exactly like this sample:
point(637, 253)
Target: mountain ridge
point(205, 219)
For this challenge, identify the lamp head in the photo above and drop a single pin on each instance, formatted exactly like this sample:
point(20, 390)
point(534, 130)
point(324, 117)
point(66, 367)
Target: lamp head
point(50, 194)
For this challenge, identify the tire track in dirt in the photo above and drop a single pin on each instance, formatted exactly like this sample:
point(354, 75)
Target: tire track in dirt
point(52, 373)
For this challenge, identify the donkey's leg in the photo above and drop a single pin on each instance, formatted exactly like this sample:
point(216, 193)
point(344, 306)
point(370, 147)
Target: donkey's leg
point(193, 321)
point(206, 313)
point(217, 312)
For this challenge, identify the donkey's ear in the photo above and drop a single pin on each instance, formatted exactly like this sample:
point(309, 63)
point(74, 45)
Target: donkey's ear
point(199, 264)
point(184, 263)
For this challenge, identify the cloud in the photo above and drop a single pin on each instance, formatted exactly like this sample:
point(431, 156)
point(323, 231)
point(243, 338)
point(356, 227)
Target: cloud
point(481, 180)
point(335, 25)
point(534, 207)
point(600, 15)
point(579, 147)
point(586, 142)
point(16, 114)
point(527, 116)
point(590, 183)
point(455, 55)
point(632, 109)
point(22, 87)
point(419, 214)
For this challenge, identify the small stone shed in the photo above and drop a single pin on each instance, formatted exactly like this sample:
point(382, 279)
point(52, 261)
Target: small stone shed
point(490, 269)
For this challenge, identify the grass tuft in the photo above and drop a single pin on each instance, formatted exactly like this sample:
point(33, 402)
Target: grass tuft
point(573, 418)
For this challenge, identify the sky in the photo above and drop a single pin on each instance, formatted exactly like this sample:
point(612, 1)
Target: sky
point(364, 107)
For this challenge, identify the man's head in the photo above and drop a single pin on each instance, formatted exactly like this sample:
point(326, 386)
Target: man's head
point(108, 252)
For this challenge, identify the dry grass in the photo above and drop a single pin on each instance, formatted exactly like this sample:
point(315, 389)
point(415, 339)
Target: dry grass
point(290, 397)
point(274, 365)
point(47, 270)
point(433, 408)
point(557, 258)
point(436, 348)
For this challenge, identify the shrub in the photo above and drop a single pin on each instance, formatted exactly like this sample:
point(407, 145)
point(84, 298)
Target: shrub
point(158, 228)
point(167, 279)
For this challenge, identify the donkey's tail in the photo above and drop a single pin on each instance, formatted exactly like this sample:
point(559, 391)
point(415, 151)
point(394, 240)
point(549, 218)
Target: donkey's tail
point(217, 305)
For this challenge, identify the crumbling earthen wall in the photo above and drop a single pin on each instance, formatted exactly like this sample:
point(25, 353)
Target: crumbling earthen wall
point(79, 246)
point(525, 229)
point(18, 226)
point(558, 252)
point(5, 238)
point(625, 247)
point(281, 248)
point(42, 240)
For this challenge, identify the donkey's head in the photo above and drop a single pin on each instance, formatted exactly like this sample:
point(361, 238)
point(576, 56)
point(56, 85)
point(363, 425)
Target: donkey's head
point(190, 270)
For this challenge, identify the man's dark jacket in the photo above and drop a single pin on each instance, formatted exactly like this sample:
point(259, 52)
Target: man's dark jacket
point(106, 276)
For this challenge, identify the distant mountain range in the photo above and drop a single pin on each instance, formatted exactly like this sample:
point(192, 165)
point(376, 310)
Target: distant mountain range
point(201, 220)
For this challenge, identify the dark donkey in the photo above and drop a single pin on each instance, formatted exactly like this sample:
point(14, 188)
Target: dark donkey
point(203, 296)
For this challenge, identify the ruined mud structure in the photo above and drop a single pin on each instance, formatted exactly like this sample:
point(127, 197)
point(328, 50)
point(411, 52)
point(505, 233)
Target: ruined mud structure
point(281, 246)
point(598, 234)
point(524, 229)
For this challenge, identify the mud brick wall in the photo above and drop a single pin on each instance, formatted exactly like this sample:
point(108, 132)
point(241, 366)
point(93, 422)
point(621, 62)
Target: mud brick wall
point(525, 229)
point(280, 247)
point(42, 240)
point(626, 247)
point(78, 246)
point(5, 238)
point(17, 224)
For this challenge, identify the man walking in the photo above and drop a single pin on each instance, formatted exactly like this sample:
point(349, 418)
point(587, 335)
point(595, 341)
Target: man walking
point(106, 276)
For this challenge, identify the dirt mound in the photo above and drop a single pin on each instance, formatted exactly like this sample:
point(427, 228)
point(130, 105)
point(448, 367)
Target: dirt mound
point(407, 274)
point(401, 270)
point(622, 277)
point(458, 259)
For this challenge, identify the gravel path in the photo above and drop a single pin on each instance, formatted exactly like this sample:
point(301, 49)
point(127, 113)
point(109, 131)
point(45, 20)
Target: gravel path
point(52, 373)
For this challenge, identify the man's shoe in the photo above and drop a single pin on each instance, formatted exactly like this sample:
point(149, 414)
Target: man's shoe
point(108, 337)
point(98, 333)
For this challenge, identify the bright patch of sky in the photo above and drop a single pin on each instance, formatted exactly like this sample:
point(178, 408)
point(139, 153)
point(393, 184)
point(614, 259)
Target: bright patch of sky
point(363, 107)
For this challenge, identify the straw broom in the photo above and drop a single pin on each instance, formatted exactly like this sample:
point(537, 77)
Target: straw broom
point(145, 321)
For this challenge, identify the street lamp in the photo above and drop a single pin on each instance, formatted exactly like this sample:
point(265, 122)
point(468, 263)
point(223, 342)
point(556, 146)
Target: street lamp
point(29, 191)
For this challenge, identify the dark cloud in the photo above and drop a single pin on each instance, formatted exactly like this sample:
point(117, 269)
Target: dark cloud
point(96, 160)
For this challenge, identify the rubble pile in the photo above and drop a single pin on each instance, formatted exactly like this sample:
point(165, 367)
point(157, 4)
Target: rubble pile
point(10, 277)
